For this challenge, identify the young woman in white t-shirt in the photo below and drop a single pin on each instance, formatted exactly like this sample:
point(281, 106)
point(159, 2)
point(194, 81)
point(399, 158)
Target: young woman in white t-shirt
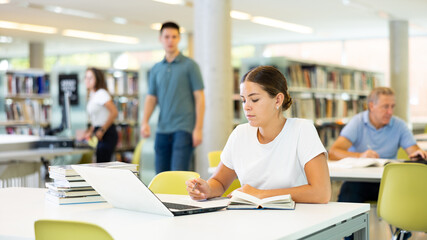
point(270, 155)
point(102, 113)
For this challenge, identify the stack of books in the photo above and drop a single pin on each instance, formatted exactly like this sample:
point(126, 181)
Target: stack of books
point(68, 187)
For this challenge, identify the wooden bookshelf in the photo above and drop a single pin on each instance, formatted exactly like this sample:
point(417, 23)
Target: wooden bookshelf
point(328, 94)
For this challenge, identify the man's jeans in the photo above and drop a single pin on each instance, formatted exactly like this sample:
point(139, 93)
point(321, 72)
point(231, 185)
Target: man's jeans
point(173, 151)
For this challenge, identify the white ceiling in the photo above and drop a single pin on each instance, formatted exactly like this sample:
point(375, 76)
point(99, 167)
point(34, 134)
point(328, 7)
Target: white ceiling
point(330, 19)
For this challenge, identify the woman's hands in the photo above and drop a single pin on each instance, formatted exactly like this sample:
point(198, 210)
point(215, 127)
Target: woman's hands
point(100, 133)
point(198, 189)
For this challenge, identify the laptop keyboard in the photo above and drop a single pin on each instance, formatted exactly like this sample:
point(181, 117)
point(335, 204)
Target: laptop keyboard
point(178, 206)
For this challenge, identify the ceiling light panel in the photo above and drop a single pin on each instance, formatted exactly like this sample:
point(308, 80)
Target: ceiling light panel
point(100, 36)
point(28, 27)
point(239, 15)
point(283, 25)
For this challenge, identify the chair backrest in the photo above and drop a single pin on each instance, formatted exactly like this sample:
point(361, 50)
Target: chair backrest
point(172, 182)
point(401, 154)
point(214, 158)
point(234, 185)
point(69, 230)
point(402, 200)
point(136, 158)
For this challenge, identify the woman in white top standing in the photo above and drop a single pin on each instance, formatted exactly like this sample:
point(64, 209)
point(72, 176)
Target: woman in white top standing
point(270, 155)
point(102, 113)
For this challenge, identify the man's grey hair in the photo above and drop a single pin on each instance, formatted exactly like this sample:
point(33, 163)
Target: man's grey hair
point(376, 92)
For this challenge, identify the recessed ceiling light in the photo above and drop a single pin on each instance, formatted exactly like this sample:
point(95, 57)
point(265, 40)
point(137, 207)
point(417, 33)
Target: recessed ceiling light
point(120, 20)
point(6, 39)
point(283, 25)
point(156, 26)
point(28, 27)
point(100, 36)
point(72, 12)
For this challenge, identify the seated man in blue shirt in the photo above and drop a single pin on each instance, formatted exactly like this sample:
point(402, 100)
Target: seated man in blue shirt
point(374, 133)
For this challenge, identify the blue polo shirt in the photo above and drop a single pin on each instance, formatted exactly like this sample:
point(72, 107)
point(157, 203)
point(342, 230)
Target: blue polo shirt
point(385, 141)
point(173, 84)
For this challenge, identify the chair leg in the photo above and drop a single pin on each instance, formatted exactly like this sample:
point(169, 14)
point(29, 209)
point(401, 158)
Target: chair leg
point(391, 231)
point(402, 234)
point(396, 234)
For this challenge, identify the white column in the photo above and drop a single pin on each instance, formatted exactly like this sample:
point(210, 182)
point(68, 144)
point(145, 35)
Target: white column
point(212, 51)
point(36, 55)
point(190, 45)
point(399, 74)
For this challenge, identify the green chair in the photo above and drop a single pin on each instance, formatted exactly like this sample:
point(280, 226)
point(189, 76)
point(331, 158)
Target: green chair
point(136, 158)
point(214, 160)
point(88, 157)
point(172, 182)
point(401, 154)
point(69, 230)
point(402, 199)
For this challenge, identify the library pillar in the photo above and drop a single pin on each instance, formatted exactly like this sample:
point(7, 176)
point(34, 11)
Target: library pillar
point(212, 51)
point(36, 55)
point(399, 74)
point(190, 45)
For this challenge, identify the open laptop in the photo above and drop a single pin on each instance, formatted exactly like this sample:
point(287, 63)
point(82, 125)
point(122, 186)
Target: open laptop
point(123, 189)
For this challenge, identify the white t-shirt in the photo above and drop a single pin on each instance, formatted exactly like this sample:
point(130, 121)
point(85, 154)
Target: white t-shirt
point(277, 164)
point(98, 113)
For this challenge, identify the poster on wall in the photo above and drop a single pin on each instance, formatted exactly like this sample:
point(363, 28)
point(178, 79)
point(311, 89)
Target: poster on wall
point(68, 83)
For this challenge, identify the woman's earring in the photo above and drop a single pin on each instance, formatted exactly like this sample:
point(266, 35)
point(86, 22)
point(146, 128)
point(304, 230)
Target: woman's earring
point(277, 107)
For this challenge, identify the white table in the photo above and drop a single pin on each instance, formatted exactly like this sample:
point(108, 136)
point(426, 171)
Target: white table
point(38, 153)
point(21, 207)
point(366, 174)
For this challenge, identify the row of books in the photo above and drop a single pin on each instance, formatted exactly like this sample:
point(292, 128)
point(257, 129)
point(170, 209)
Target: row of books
point(68, 187)
point(319, 77)
point(28, 110)
point(23, 130)
point(326, 106)
point(121, 82)
point(128, 136)
point(127, 108)
point(26, 83)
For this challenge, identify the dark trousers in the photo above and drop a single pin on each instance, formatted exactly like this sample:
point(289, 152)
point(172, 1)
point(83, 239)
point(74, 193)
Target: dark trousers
point(358, 192)
point(107, 145)
point(173, 151)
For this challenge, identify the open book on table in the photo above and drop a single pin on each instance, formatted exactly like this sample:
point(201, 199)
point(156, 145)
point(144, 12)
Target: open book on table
point(241, 200)
point(359, 162)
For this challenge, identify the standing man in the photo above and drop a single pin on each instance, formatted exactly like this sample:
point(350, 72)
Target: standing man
point(374, 133)
point(176, 85)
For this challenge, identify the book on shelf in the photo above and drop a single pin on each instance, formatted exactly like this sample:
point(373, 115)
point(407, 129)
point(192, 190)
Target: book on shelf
point(67, 170)
point(73, 200)
point(350, 162)
point(241, 200)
